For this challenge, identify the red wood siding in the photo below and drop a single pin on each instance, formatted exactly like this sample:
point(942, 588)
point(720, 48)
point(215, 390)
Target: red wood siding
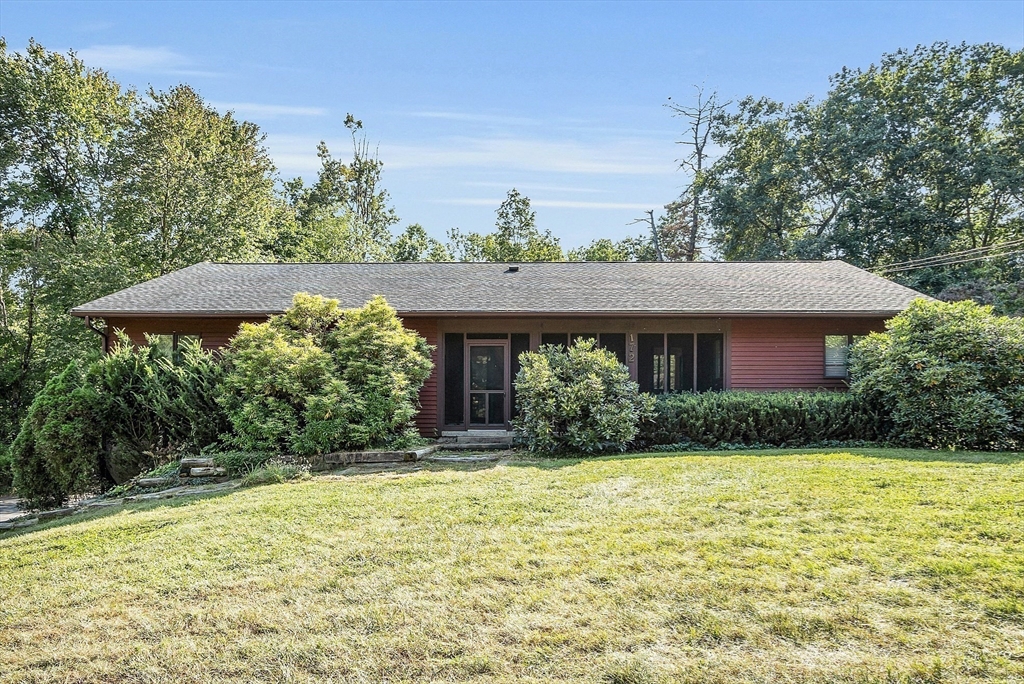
point(426, 419)
point(787, 353)
point(215, 332)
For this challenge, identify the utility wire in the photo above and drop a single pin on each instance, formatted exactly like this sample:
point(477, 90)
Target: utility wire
point(952, 262)
point(975, 254)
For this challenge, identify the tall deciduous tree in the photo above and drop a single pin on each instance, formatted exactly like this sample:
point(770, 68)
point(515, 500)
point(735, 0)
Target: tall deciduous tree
point(192, 185)
point(345, 215)
point(922, 154)
point(700, 117)
point(58, 120)
point(516, 236)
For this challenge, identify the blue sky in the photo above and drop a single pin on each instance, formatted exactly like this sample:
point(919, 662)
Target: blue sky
point(564, 101)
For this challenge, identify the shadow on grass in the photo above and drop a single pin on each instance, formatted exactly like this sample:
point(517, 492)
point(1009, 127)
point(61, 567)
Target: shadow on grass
point(106, 511)
point(554, 461)
point(539, 461)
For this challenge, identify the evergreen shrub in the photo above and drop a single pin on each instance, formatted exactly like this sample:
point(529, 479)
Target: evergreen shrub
point(762, 419)
point(318, 379)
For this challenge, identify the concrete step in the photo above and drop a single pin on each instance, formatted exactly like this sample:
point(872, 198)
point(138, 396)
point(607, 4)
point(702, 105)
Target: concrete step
point(475, 446)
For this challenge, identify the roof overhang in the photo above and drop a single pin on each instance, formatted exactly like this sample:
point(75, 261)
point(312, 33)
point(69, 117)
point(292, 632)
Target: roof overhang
point(518, 314)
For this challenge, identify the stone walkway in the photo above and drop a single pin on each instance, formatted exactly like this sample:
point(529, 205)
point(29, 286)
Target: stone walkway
point(9, 508)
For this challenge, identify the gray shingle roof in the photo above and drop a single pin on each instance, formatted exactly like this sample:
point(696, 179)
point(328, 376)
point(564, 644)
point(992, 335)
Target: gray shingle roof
point(699, 288)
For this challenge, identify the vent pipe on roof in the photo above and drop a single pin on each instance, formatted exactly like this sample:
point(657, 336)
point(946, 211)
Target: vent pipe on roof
point(512, 269)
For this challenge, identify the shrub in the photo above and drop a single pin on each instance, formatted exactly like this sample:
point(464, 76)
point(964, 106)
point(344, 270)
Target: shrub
point(579, 399)
point(950, 375)
point(763, 419)
point(59, 450)
point(121, 415)
point(318, 379)
point(6, 469)
point(238, 463)
point(274, 473)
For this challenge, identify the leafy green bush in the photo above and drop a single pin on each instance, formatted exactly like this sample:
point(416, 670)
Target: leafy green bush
point(579, 399)
point(6, 469)
point(318, 379)
point(764, 419)
point(951, 375)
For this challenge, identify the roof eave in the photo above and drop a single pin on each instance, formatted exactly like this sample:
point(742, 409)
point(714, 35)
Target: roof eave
point(801, 313)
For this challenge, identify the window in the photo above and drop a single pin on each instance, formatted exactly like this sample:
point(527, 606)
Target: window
point(837, 352)
point(561, 339)
point(170, 346)
point(616, 344)
point(680, 362)
point(454, 377)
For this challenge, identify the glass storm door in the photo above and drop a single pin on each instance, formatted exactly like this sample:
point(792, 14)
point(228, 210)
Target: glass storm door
point(487, 386)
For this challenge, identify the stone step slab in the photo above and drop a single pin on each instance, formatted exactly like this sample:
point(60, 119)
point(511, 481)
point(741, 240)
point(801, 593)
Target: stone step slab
point(188, 463)
point(207, 471)
point(147, 482)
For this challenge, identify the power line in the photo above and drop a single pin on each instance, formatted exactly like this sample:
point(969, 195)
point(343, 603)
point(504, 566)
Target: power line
point(963, 256)
point(952, 262)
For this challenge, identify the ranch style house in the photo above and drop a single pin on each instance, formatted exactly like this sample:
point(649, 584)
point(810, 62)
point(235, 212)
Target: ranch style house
point(679, 327)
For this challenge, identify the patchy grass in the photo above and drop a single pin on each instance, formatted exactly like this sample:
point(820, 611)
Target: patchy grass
point(873, 566)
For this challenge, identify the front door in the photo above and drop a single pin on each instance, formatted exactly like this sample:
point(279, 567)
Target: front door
point(487, 385)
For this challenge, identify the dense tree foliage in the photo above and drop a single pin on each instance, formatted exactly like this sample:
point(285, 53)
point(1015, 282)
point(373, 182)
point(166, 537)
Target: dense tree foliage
point(516, 236)
point(920, 155)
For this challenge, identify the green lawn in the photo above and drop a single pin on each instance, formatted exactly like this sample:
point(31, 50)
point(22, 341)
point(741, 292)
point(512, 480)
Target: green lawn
point(871, 566)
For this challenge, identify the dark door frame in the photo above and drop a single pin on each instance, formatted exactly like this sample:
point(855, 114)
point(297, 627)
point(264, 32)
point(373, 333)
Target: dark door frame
point(504, 344)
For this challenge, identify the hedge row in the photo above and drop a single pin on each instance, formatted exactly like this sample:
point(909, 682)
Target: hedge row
point(763, 419)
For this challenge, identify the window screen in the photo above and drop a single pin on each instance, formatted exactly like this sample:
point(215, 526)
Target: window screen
point(454, 378)
point(680, 363)
point(520, 343)
point(650, 362)
point(555, 338)
point(616, 344)
point(837, 352)
point(709, 361)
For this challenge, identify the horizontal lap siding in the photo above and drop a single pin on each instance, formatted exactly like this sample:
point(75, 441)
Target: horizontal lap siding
point(426, 419)
point(787, 353)
point(214, 332)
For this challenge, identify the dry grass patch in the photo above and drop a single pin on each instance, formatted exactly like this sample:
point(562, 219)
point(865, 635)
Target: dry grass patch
point(874, 566)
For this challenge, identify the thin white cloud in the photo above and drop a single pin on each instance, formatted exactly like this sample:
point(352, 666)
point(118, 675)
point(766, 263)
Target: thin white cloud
point(532, 187)
point(140, 59)
point(268, 110)
point(561, 204)
point(478, 118)
point(615, 157)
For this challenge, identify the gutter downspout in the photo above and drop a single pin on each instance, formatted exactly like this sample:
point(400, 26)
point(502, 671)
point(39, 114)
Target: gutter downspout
point(101, 333)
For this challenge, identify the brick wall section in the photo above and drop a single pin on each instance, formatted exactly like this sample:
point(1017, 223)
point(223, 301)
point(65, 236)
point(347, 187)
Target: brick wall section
point(787, 353)
point(426, 419)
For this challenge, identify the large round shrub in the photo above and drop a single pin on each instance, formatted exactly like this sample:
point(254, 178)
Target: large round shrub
point(578, 399)
point(319, 378)
point(951, 375)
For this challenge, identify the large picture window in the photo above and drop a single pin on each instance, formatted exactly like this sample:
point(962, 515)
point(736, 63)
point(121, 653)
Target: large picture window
point(680, 362)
